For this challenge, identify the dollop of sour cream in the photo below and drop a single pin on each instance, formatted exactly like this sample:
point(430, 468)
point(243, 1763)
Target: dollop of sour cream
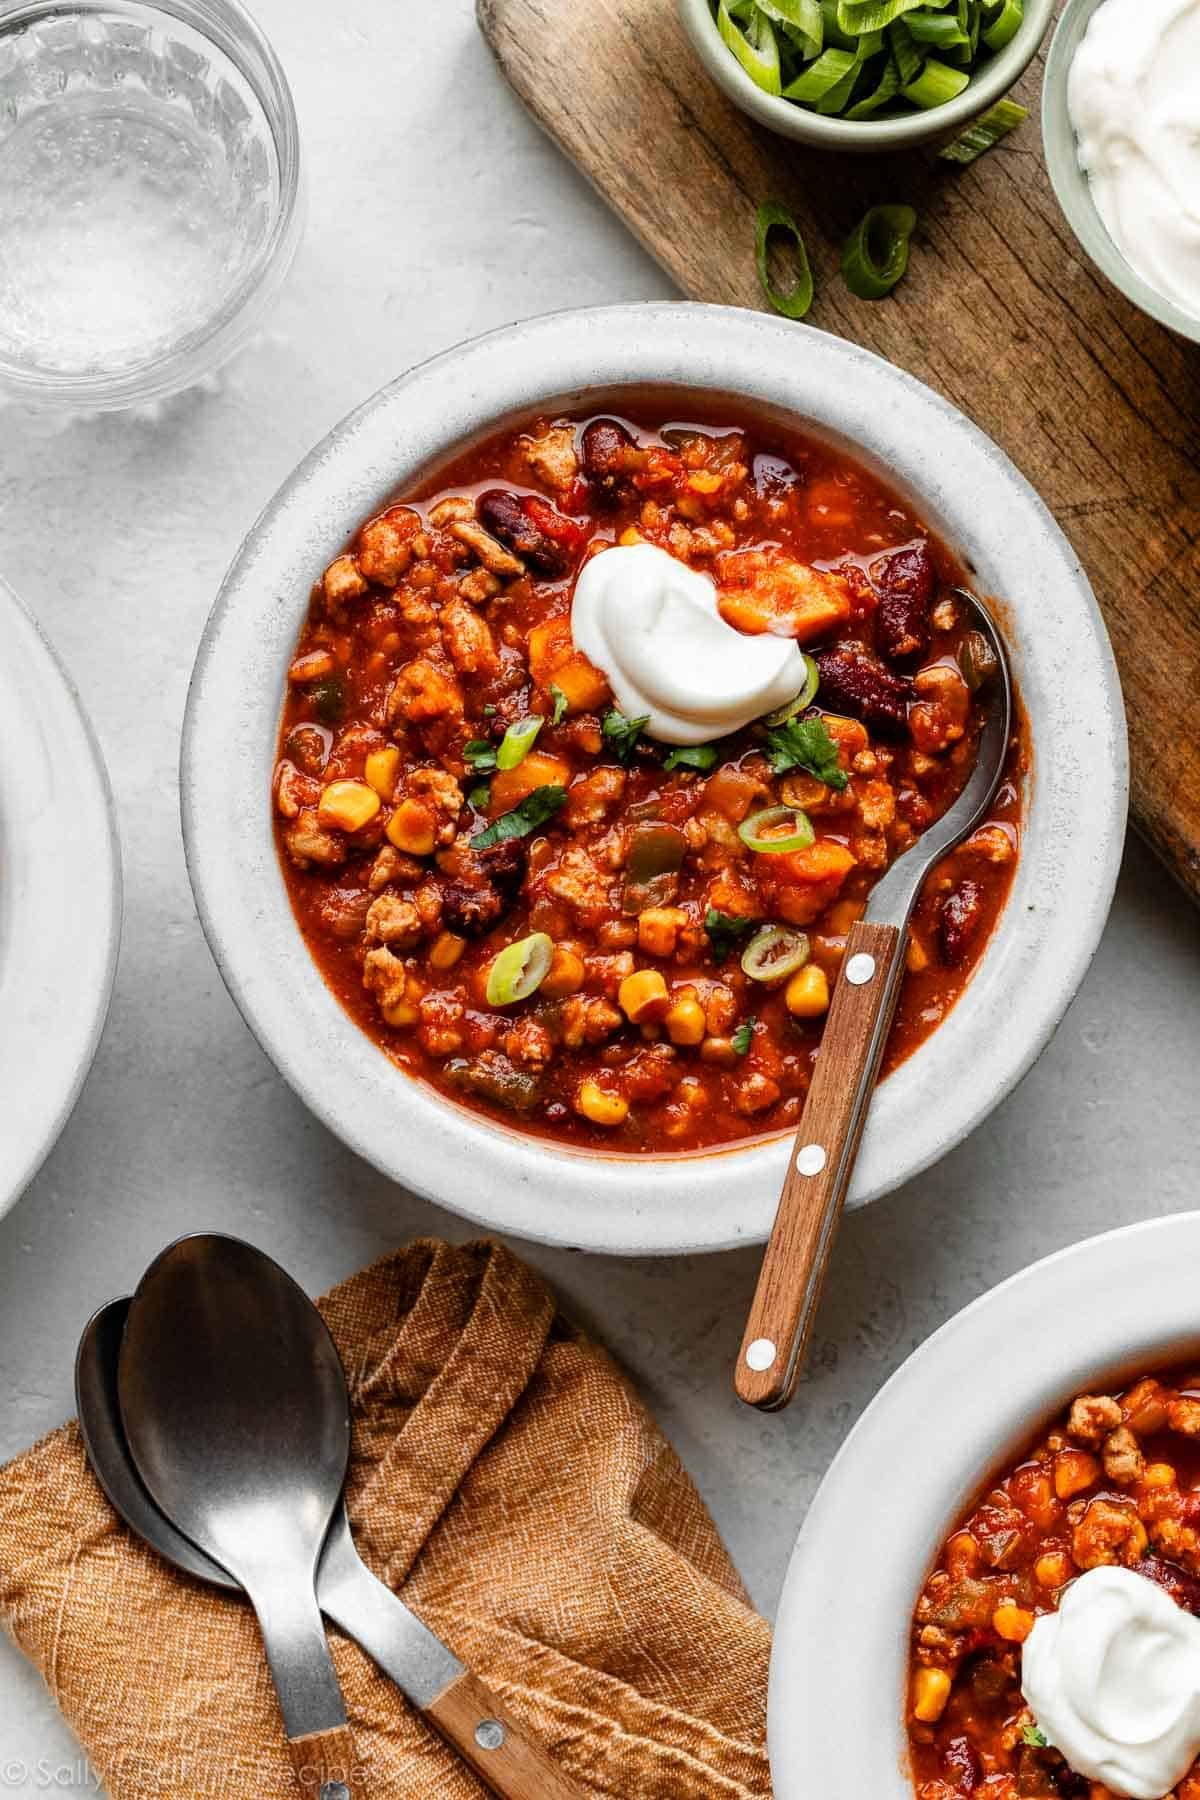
point(1113, 1678)
point(1133, 94)
point(652, 625)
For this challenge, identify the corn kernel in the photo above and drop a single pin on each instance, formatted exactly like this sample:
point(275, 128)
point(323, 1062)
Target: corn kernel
point(720, 1052)
point(643, 996)
point(601, 1107)
point(1074, 1472)
point(931, 1690)
point(1012, 1622)
point(658, 929)
point(446, 950)
point(685, 1021)
point(1053, 1569)
point(348, 805)
point(631, 535)
point(411, 829)
point(382, 768)
point(1159, 1475)
point(916, 957)
point(704, 481)
point(807, 995)
point(565, 974)
point(402, 1013)
point(962, 1554)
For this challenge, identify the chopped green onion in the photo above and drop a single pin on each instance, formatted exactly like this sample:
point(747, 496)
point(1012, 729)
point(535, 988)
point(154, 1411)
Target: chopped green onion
point(622, 734)
point(693, 756)
point(561, 704)
point(860, 58)
point(756, 48)
point(936, 84)
point(520, 970)
point(774, 952)
point(795, 302)
point(986, 132)
point(804, 698)
point(724, 930)
point(743, 1037)
point(876, 252)
point(1005, 22)
point(518, 741)
point(535, 809)
point(777, 829)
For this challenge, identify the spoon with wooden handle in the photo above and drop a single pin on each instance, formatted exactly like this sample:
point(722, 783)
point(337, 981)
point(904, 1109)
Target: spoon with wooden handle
point(404, 1648)
point(856, 1033)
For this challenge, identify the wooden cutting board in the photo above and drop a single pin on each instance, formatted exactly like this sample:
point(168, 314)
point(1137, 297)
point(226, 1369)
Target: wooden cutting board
point(1098, 405)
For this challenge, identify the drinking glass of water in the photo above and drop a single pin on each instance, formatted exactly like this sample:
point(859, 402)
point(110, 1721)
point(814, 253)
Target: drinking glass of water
point(149, 194)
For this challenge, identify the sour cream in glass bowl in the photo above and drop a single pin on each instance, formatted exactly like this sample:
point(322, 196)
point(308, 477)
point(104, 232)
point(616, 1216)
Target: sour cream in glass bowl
point(1119, 122)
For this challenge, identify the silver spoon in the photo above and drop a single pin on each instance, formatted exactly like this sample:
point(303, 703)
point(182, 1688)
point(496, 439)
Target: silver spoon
point(471, 1718)
point(852, 1046)
point(234, 1406)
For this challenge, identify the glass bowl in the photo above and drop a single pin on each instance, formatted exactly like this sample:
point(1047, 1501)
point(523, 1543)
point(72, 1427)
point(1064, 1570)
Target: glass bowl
point(149, 195)
point(1073, 188)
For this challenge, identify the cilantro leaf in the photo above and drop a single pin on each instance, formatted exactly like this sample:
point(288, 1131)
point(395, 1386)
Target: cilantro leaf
point(743, 1037)
point(1033, 1737)
point(622, 734)
point(480, 755)
point(806, 744)
point(724, 930)
point(480, 796)
point(561, 704)
point(535, 809)
point(693, 756)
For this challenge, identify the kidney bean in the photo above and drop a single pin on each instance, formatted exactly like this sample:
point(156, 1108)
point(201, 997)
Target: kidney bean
point(1183, 1588)
point(961, 917)
point(905, 583)
point(609, 453)
point(855, 683)
point(485, 889)
point(961, 1765)
point(504, 515)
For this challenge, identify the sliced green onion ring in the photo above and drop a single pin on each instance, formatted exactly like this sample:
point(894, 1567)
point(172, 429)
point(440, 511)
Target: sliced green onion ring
point(804, 699)
point(520, 969)
point(936, 84)
point(518, 741)
point(756, 48)
point(763, 831)
point(795, 302)
point(876, 252)
point(1004, 24)
point(986, 132)
point(774, 952)
point(821, 76)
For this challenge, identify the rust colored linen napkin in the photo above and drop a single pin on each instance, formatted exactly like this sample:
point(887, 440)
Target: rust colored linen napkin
point(507, 1478)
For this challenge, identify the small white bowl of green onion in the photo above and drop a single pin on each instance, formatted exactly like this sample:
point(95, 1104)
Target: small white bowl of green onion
point(871, 75)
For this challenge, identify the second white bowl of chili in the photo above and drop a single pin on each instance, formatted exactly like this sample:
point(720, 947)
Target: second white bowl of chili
point(405, 933)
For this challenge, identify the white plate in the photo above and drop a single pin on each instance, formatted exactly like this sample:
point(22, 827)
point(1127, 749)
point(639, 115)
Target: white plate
point(60, 897)
point(969, 492)
point(971, 1397)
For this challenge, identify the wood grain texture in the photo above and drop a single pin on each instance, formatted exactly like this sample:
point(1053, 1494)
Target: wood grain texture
point(1000, 312)
point(326, 1767)
point(516, 1768)
point(793, 1269)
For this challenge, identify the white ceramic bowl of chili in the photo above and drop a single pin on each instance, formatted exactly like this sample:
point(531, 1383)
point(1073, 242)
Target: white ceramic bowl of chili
point(963, 1407)
point(60, 897)
point(970, 494)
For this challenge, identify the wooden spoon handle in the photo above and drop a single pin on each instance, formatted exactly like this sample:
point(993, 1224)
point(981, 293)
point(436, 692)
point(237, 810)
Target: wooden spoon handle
point(325, 1765)
point(490, 1741)
point(826, 1148)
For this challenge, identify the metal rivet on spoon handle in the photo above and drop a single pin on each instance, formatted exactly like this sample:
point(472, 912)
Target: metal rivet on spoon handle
point(852, 1046)
point(235, 1410)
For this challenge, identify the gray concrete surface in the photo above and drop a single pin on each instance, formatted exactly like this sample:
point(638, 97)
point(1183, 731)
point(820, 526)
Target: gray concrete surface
point(436, 211)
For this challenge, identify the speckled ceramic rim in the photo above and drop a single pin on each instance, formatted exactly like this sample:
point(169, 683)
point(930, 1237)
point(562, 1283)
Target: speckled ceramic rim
point(1072, 187)
point(995, 78)
point(61, 888)
point(967, 489)
point(1087, 1316)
